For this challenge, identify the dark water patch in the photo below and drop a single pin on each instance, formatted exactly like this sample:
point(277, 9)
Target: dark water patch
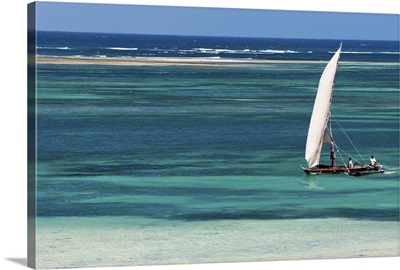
point(349, 213)
point(75, 198)
point(153, 210)
point(72, 188)
point(179, 212)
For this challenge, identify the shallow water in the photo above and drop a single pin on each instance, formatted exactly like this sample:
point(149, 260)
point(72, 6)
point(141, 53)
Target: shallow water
point(77, 242)
point(201, 145)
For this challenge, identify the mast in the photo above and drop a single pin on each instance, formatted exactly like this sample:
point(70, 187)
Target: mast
point(317, 131)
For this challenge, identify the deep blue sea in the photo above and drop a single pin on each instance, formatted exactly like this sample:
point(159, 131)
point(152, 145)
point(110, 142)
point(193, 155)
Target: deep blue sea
point(128, 45)
point(211, 143)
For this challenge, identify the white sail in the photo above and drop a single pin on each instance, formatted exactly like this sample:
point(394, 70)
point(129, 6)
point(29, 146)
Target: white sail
point(321, 112)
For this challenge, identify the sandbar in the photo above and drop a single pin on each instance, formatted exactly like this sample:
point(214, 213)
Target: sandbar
point(122, 241)
point(171, 61)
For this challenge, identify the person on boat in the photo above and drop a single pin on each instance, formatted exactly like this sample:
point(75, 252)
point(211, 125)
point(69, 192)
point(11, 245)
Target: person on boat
point(350, 165)
point(372, 161)
point(333, 157)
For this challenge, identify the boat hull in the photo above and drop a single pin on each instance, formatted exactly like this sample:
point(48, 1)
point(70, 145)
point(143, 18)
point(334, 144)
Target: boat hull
point(355, 171)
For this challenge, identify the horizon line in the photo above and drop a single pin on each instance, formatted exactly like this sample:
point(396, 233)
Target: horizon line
point(214, 36)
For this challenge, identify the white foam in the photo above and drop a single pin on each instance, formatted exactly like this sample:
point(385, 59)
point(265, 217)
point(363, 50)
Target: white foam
point(388, 172)
point(239, 51)
point(277, 51)
point(390, 52)
point(356, 52)
point(54, 48)
point(122, 49)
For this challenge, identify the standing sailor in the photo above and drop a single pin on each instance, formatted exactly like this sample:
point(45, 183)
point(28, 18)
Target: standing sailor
point(333, 157)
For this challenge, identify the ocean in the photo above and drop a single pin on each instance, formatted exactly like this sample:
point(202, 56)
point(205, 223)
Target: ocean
point(197, 152)
point(128, 45)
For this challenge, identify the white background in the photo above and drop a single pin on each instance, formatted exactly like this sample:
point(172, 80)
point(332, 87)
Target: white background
point(13, 132)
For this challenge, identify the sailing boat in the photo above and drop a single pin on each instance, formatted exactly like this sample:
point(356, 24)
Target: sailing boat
point(319, 132)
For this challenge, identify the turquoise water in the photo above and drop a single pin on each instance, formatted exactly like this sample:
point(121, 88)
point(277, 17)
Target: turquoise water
point(223, 137)
point(196, 144)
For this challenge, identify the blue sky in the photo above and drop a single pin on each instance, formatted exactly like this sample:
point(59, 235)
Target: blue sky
point(139, 19)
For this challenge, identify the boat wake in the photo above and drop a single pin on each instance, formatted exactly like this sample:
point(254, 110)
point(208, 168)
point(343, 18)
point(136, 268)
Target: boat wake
point(389, 172)
point(312, 185)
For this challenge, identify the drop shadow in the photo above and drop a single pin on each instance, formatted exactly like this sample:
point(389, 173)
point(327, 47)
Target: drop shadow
point(20, 261)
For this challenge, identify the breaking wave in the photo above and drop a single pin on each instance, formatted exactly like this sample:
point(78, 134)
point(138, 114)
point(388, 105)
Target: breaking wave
point(122, 49)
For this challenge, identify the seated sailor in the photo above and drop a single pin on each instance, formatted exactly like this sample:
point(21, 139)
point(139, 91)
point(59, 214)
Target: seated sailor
point(350, 165)
point(372, 161)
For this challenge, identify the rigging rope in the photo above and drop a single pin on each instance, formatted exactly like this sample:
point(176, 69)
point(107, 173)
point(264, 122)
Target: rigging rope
point(357, 161)
point(342, 157)
point(350, 142)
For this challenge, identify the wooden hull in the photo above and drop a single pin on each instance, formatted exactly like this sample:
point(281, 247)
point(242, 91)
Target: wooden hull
point(371, 170)
point(355, 171)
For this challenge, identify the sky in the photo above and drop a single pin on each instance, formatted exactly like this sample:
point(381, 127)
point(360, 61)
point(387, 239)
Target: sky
point(140, 19)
